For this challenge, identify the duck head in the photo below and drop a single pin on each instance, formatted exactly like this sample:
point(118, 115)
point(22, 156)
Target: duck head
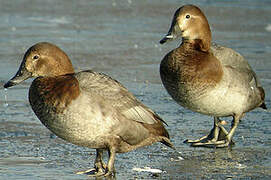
point(42, 59)
point(190, 23)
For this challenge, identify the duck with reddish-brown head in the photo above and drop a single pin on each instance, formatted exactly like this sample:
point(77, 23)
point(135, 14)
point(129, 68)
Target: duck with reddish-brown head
point(208, 78)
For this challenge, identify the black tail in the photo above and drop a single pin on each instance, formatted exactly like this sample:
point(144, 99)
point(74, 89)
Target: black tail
point(262, 93)
point(167, 142)
point(263, 105)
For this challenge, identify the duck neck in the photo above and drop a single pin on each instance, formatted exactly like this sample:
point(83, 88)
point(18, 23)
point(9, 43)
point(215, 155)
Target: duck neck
point(197, 44)
point(63, 68)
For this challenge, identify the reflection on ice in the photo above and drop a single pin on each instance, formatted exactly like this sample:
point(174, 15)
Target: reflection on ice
point(6, 97)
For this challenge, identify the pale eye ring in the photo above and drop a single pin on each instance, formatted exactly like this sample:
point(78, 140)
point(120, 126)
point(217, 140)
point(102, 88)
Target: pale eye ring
point(35, 57)
point(187, 16)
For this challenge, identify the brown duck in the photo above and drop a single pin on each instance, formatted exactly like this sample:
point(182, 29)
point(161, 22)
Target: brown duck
point(206, 78)
point(87, 108)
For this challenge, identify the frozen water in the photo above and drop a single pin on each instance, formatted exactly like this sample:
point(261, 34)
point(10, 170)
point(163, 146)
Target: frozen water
point(121, 38)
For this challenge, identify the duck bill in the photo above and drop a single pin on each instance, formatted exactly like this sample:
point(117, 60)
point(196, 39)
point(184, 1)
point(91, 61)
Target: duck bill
point(173, 33)
point(168, 37)
point(20, 76)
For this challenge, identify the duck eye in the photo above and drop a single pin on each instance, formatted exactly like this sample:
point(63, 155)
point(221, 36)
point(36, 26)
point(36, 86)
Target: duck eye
point(187, 16)
point(35, 57)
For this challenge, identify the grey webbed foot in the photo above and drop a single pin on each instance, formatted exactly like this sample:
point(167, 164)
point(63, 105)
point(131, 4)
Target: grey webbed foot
point(218, 137)
point(91, 172)
point(99, 166)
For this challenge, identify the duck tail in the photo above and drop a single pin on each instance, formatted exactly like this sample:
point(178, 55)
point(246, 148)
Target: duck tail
point(167, 142)
point(263, 105)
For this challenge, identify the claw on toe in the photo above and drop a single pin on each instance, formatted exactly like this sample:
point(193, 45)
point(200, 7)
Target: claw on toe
point(109, 174)
point(92, 172)
point(89, 171)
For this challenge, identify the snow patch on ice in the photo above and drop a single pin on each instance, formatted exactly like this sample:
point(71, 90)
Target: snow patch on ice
point(147, 169)
point(268, 28)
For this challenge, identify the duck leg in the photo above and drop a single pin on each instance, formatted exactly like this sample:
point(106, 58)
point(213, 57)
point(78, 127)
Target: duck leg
point(99, 165)
point(110, 170)
point(216, 135)
point(228, 139)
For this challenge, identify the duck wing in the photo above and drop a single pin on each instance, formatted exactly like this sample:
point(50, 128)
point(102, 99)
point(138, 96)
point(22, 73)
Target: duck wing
point(232, 59)
point(117, 95)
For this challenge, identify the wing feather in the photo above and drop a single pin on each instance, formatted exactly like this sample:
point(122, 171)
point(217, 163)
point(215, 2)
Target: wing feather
point(117, 96)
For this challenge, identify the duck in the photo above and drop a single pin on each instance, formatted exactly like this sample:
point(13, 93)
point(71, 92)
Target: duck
point(208, 78)
point(87, 108)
